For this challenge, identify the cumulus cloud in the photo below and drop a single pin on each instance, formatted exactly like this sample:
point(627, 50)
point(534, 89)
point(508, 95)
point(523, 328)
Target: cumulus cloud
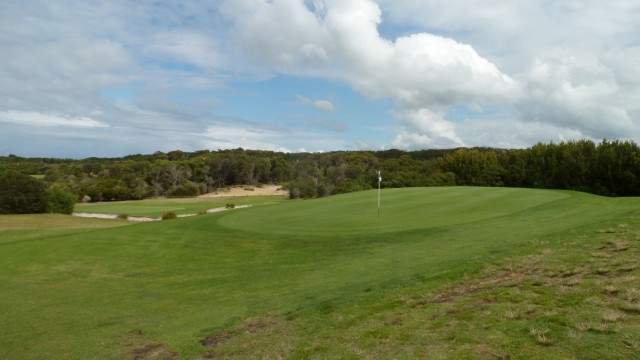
point(580, 95)
point(281, 35)
point(422, 128)
point(423, 73)
point(574, 63)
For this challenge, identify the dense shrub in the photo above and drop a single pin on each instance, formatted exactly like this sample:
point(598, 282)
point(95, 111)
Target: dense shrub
point(185, 190)
point(61, 202)
point(22, 194)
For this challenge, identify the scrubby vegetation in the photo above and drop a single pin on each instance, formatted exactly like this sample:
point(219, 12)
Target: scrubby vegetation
point(168, 216)
point(24, 194)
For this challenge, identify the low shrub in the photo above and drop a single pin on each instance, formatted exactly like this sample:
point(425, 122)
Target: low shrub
point(185, 190)
point(169, 215)
point(123, 216)
point(230, 206)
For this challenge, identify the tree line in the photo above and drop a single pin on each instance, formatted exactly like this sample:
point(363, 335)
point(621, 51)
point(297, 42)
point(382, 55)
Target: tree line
point(607, 168)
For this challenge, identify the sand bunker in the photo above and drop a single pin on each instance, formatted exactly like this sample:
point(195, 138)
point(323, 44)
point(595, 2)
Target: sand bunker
point(146, 219)
point(115, 217)
point(263, 190)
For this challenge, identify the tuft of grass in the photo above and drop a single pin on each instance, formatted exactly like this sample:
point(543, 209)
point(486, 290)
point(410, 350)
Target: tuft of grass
point(611, 316)
point(611, 290)
point(541, 336)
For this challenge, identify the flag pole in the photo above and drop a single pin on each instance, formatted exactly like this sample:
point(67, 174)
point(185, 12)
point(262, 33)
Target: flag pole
point(379, 181)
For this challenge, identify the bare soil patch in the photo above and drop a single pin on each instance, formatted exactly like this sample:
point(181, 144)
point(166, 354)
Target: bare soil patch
point(213, 341)
point(263, 190)
point(153, 352)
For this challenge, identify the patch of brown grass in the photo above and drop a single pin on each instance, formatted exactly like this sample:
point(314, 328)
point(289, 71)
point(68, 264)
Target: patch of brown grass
point(153, 352)
point(541, 336)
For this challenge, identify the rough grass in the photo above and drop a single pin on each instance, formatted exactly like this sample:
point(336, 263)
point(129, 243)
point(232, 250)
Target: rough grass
point(579, 298)
point(552, 275)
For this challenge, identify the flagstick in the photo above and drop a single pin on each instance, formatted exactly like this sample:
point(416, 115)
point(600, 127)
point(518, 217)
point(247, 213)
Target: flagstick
point(379, 181)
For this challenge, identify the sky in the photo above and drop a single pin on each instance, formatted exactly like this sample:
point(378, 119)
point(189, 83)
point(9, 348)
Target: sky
point(113, 78)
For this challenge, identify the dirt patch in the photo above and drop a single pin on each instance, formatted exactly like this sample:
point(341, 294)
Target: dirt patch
point(247, 328)
point(497, 280)
point(213, 341)
point(396, 321)
point(235, 191)
point(254, 325)
point(144, 349)
point(153, 352)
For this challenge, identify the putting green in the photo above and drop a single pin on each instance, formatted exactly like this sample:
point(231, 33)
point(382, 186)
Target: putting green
point(401, 209)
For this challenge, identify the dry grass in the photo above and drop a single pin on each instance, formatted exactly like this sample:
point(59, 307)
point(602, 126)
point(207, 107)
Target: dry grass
point(541, 336)
point(52, 221)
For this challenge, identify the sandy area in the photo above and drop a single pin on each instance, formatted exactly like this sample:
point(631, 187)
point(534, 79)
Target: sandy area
point(114, 217)
point(248, 191)
point(146, 219)
point(228, 192)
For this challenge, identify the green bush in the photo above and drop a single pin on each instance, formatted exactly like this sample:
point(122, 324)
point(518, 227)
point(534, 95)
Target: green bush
point(22, 194)
point(230, 206)
point(170, 215)
point(61, 202)
point(185, 190)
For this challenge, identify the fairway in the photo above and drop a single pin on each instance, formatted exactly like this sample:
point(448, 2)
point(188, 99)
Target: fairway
point(172, 288)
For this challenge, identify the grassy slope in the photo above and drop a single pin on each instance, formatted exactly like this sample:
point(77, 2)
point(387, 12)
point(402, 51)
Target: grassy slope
point(321, 278)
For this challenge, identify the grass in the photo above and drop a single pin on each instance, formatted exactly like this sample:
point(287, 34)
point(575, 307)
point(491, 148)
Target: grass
point(158, 207)
point(443, 273)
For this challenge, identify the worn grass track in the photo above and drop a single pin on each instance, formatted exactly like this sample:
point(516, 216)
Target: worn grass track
point(434, 275)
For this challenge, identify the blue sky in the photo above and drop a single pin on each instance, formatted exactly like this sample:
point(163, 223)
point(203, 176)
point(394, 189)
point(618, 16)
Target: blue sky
point(81, 79)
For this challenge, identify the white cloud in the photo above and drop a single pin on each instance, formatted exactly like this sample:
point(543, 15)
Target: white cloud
point(574, 62)
point(278, 35)
point(322, 105)
point(421, 128)
point(546, 64)
point(49, 120)
point(186, 47)
point(423, 73)
point(578, 94)
point(234, 133)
